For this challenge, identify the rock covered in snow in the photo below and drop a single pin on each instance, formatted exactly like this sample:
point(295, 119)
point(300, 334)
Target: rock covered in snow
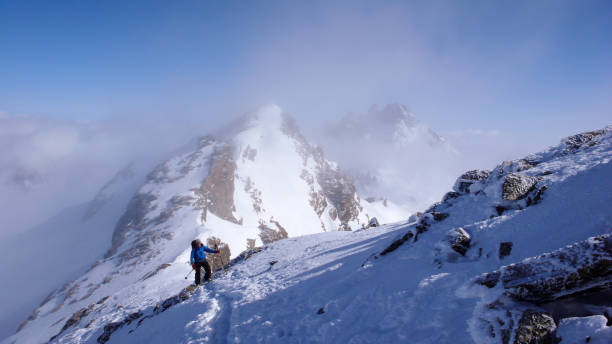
point(593, 329)
point(463, 183)
point(588, 138)
point(535, 328)
point(459, 240)
point(575, 268)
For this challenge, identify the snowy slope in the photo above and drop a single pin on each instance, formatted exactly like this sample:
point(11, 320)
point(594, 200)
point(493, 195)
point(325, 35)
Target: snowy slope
point(392, 155)
point(338, 287)
point(396, 283)
point(258, 181)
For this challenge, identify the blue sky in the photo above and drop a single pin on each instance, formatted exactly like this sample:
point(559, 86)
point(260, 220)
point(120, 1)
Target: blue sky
point(489, 65)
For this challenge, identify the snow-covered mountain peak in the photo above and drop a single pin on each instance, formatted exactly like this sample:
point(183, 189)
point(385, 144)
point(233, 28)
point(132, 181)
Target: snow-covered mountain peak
point(392, 155)
point(517, 254)
point(259, 182)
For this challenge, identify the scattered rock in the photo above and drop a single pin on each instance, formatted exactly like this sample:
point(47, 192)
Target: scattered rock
point(517, 186)
point(535, 328)
point(459, 240)
point(321, 311)
point(504, 249)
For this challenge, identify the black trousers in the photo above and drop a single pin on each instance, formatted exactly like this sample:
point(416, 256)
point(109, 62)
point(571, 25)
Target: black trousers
point(206, 267)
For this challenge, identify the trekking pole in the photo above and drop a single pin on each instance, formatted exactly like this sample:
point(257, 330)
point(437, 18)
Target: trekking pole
point(188, 273)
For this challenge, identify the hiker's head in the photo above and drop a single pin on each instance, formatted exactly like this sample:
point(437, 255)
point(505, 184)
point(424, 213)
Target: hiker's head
point(194, 243)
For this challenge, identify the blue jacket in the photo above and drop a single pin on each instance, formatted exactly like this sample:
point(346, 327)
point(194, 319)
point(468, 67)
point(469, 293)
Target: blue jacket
point(198, 255)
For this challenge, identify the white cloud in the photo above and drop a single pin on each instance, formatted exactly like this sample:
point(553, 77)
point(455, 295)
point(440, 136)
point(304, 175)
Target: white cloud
point(474, 132)
point(49, 164)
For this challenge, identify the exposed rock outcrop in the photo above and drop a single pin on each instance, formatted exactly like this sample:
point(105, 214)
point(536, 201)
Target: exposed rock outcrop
point(217, 192)
point(220, 260)
point(269, 235)
point(463, 183)
point(573, 269)
point(589, 138)
point(535, 328)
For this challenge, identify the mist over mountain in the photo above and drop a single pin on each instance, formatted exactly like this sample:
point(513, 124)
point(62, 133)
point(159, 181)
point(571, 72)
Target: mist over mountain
point(299, 246)
point(392, 155)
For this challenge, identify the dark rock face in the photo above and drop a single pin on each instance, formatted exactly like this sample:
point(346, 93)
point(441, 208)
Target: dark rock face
point(341, 193)
point(517, 186)
point(463, 183)
point(576, 268)
point(459, 240)
point(217, 192)
point(504, 249)
point(338, 188)
point(535, 328)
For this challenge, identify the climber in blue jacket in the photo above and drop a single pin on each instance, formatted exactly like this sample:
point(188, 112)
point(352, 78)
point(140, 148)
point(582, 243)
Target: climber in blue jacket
point(198, 260)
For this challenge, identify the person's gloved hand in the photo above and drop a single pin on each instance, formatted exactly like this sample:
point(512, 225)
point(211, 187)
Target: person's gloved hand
point(193, 266)
point(218, 251)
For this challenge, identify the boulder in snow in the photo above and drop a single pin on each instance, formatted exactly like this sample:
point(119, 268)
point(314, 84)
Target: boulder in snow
point(517, 186)
point(535, 328)
point(463, 183)
point(459, 240)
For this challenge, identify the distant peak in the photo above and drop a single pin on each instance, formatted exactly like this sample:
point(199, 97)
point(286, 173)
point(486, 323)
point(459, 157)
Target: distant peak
point(393, 113)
